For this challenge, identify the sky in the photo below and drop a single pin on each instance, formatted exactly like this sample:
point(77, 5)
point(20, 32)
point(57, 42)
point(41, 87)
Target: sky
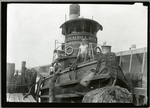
point(33, 28)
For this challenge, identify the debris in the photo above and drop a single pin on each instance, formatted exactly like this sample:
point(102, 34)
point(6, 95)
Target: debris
point(108, 94)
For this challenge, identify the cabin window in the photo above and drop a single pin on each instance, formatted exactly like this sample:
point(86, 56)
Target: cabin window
point(70, 29)
point(78, 28)
point(87, 27)
point(92, 30)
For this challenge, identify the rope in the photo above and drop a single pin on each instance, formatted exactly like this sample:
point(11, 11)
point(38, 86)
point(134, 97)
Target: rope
point(38, 73)
point(33, 86)
point(73, 71)
point(29, 91)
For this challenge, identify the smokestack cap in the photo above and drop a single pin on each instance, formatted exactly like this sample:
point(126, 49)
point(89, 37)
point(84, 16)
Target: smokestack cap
point(74, 11)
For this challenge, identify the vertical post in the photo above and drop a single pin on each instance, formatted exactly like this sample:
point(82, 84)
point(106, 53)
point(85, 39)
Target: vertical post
point(92, 50)
point(10, 71)
point(10, 75)
point(23, 68)
point(137, 99)
point(130, 65)
point(143, 62)
point(89, 50)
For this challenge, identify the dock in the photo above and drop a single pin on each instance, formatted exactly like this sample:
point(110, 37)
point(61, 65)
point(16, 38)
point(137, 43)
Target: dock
point(19, 97)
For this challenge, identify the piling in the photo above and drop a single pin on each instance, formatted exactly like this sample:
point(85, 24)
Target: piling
point(10, 76)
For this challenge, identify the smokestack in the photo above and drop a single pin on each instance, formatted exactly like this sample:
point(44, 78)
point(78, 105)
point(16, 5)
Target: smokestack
point(74, 11)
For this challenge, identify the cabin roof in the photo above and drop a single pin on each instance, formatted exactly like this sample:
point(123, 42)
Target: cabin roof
point(99, 27)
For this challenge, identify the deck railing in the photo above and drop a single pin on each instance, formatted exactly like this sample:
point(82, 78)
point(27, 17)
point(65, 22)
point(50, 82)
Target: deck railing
point(57, 50)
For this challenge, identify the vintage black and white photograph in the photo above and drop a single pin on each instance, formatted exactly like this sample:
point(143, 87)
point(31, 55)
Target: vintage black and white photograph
point(77, 53)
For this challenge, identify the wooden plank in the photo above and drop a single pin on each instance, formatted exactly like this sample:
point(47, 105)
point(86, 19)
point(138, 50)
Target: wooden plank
point(8, 96)
point(16, 99)
point(26, 99)
point(20, 96)
point(31, 98)
point(12, 98)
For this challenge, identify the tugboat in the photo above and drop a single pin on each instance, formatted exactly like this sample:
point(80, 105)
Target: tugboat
point(81, 72)
point(84, 71)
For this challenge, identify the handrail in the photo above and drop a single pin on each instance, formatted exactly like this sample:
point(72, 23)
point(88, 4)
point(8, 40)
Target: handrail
point(76, 48)
point(65, 44)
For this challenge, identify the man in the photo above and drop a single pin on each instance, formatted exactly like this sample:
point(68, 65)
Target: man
point(57, 67)
point(83, 50)
point(54, 68)
point(51, 69)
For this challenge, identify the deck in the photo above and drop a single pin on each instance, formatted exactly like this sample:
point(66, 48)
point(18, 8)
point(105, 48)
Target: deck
point(18, 97)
